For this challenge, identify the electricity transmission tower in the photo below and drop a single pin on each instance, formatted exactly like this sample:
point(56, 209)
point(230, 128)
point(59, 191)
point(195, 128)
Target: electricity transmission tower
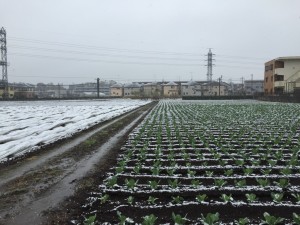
point(209, 65)
point(3, 61)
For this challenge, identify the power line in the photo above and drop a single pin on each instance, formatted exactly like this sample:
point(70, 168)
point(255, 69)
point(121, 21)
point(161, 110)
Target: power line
point(118, 62)
point(136, 51)
point(119, 56)
point(101, 48)
point(99, 60)
point(98, 54)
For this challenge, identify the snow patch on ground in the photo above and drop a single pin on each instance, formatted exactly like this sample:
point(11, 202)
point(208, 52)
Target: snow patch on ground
point(27, 125)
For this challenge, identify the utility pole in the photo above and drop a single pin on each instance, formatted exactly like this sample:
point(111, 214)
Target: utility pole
point(98, 87)
point(252, 84)
point(242, 85)
point(58, 85)
point(220, 79)
point(3, 61)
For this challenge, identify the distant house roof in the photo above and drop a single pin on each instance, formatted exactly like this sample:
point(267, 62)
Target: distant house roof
point(151, 84)
point(132, 85)
point(288, 58)
point(22, 85)
point(171, 83)
point(116, 86)
point(215, 83)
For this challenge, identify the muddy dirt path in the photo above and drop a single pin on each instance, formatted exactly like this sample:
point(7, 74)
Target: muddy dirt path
point(32, 187)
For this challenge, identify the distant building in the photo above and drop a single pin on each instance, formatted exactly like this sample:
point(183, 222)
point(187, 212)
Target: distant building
point(236, 89)
point(90, 89)
point(11, 91)
point(191, 88)
point(51, 90)
point(152, 90)
point(254, 87)
point(282, 75)
point(132, 90)
point(116, 90)
point(171, 90)
point(204, 88)
point(215, 88)
point(23, 90)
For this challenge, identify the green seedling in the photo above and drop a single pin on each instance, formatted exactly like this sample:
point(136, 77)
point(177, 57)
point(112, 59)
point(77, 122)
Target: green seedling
point(251, 197)
point(263, 182)
point(277, 197)
point(137, 169)
point(201, 198)
point(153, 184)
point(228, 172)
point(155, 171)
point(248, 171)
point(177, 199)
point(90, 220)
point(286, 171)
point(226, 198)
point(149, 220)
point(297, 197)
point(191, 173)
point(209, 173)
point(112, 181)
point(210, 219)
point(173, 184)
point(131, 183)
point(296, 218)
point(240, 183)
point(282, 183)
point(151, 200)
point(170, 172)
point(104, 198)
point(130, 200)
point(220, 183)
point(242, 221)
point(123, 220)
point(178, 219)
point(195, 183)
point(266, 171)
point(271, 220)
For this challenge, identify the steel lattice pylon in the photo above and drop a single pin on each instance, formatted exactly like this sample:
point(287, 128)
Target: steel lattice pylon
point(3, 61)
point(209, 65)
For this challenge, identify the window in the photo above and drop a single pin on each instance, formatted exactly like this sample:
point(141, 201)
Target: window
point(266, 79)
point(278, 77)
point(268, 67)
point(279, 64)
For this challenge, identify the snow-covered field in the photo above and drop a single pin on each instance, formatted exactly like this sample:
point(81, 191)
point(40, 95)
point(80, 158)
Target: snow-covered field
point(25, 126)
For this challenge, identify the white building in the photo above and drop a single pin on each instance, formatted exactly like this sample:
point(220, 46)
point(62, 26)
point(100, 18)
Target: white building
point(116, 90)
point(253, 87)
point(132, 90)
point(191, 88)
point(171, 89)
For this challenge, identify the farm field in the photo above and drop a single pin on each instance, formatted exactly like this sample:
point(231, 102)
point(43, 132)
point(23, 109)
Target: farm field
point(202, 162)
point(28, 125)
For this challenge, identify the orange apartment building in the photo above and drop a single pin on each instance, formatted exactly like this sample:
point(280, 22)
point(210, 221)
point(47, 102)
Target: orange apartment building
point(282, 75)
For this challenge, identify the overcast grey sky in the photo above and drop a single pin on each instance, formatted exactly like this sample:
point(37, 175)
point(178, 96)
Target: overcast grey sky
point(74, 41)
